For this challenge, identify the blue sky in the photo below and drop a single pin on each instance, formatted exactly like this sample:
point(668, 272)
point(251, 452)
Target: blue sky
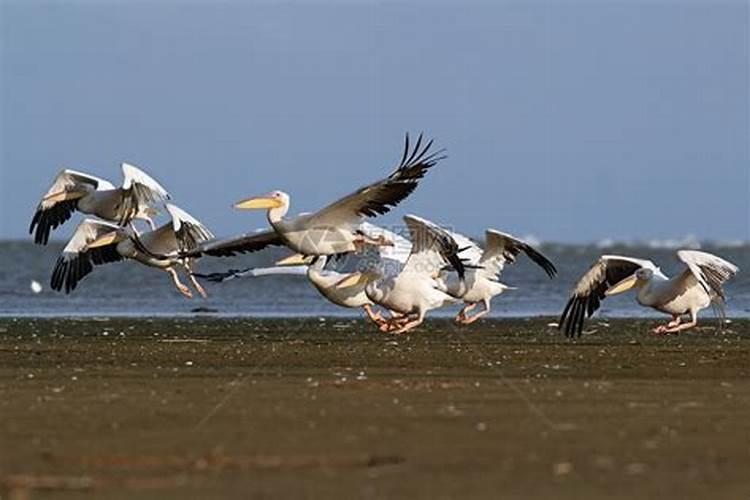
point(572, 121)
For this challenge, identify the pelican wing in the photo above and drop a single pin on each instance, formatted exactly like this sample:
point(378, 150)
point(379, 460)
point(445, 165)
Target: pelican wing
point(189, 231)
point(469, 250)
point(502, 249)
point(379, 197)
point(245, 243)
point(590, 289)
point(139, 191)
point(398, 252)
point(710, 271)
point(432, 249)
point(61, 200)
point(77, 260)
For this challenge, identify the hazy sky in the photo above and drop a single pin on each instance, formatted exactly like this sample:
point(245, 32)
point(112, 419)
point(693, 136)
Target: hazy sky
point(571, 121)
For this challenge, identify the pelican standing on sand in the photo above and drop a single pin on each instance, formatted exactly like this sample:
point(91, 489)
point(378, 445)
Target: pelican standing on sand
point(696, 288)
point(417, 288)
point(483, 268)
point(335, 228)
point(91, 195)
point(96, 242)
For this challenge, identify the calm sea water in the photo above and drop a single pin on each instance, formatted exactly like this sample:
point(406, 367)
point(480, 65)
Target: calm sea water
point(127, 288)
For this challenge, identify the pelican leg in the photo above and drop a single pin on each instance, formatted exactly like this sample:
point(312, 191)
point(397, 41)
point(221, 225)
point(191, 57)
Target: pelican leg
point(389, 325)
point(684, 326)
point(374, 316)
point(471, 319)
point(359, 245)
point(411, 324)
point(182, 288)
point(197, 286)
point(362, 241)
point(661, 329)
point(461, 316)
point(394, 323)
point(189, 270)
point(382, 241)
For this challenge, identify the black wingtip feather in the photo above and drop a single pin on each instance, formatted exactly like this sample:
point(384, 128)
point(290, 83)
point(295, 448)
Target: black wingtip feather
point(406, 149)
point(46, 220)
point(540, 260)
point(70, 270)
point(416, 149)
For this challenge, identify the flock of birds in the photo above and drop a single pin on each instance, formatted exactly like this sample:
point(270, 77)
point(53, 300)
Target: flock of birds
point(407, 278)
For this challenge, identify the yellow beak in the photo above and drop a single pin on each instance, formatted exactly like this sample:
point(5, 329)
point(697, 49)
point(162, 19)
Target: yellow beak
point(257, 203)
point(295, 260)
point(103, 241)
point(622, 286)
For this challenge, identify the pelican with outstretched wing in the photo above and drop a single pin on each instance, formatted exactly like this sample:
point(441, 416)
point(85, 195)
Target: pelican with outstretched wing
point(91, 195)
point(325, 280)
point(97, 242)
point(483, 268)
point(696, 288)
point(416, 288)
point(335, 228)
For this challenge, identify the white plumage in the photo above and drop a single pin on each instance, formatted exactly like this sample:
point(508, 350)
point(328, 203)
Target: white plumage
point(72, 190)
point(335, 228)
point(97, 242)
point(416, 289)
point(389, 258)
point(696, 288)
point(483, 269)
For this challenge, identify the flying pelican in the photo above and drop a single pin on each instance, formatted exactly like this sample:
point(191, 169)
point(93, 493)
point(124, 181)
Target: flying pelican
point(335, 228)
point(324, 280)
point(91, 195)
point(416, 288)
point(697, 287)
point(96, 242)
point(483, 268)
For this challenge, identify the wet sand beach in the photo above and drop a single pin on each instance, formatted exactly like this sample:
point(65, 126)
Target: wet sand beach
point(329, 408)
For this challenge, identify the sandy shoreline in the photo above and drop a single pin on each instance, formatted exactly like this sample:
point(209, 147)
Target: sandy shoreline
point(193, 408)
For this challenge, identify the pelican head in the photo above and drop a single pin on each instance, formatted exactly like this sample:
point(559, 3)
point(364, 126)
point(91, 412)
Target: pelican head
point(274, 199)
point(637, 279)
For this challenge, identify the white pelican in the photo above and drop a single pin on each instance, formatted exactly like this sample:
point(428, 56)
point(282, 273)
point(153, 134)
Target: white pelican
point(91, 195)
point(334, 229)
point(483, 268)
point(417, 288)
point(322, 279)
point(96, 242)
point(697, 287)
point(325, 280)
